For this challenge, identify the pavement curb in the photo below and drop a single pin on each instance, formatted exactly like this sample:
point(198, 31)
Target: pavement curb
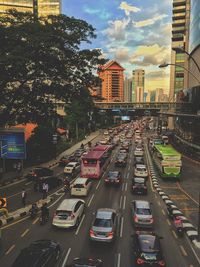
point(189, 228)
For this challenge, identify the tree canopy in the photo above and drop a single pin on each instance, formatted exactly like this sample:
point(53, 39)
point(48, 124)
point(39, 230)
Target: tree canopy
point(41, 63)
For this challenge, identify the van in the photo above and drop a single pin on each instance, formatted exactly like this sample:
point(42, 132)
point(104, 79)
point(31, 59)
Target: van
point(81, 187)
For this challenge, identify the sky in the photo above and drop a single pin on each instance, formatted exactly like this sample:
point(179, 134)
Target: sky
point(136, 33)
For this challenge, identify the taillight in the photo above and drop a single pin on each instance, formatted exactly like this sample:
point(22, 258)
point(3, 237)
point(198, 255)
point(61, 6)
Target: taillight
point(110, 234)
point(106, 180)
point(117, 180)
point(140, 261)
point(151, 220)
point(92, 232)
point(161, 263)
point(135, 218)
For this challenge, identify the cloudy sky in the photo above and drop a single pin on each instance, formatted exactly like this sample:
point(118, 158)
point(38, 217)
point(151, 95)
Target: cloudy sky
point(136, 33)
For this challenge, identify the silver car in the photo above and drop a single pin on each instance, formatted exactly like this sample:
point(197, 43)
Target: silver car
point(69, 213)
point(104, 226)
point(142, 214)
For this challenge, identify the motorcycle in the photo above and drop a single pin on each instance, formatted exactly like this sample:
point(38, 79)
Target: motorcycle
point(43, 219)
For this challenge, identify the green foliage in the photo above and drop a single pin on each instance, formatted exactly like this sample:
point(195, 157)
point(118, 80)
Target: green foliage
point(41, 62)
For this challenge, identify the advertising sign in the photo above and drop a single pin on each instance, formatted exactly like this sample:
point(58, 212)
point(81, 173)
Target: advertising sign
point(12, 143)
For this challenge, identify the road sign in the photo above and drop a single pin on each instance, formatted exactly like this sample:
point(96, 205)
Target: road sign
point(3, 203)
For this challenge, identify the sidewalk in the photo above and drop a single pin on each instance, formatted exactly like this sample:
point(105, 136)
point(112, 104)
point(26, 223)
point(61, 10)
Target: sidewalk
point(11, 177)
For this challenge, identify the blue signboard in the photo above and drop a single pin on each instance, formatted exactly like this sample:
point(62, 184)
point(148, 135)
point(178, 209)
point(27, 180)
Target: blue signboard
point(12, 144)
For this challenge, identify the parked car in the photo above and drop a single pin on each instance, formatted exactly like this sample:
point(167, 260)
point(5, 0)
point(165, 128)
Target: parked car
point(142, 214)
point(38, 172)
point(140, 170)
point(69, 213)
point(113, 177)
point(139, 186)
point(72, 168)
point(139, 160)
point(86, 262)
point(104, 225)
point(148, 250)
point(138, 151)
point(43, 253)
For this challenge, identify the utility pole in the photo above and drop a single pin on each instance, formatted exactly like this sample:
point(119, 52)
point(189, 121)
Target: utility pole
point(35, 10)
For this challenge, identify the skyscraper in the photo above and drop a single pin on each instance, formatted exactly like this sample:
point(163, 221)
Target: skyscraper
point(138, 82)
point(112, 78)
point(40, 7)
point(127, 89)
point(180, 38)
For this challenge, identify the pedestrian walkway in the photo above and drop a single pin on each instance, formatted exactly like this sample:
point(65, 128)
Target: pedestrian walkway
point(13, 176)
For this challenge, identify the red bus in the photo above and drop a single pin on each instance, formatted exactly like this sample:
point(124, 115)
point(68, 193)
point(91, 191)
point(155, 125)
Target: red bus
point(95, 161)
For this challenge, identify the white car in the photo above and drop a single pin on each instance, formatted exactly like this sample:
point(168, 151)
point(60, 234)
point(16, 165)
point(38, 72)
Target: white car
point(69, 213)
point(72, 167)
point(141, 170)
point(138, 151)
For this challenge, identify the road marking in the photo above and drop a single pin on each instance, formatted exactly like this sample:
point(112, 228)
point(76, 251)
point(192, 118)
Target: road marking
point(159, 203)
point(90, 200)
point(56, 200)
point(168, 222)
point(123, 187)
point(175, 235)
point(120, 202)
point(129, 168)
point(29, 183)
point(163, 212)
point(121, 226)
point(183, 251)
point(118, 259)
point(194, 252)
point(126, 186)
point(83, 217)
point(9, 225)
point(98, 184)
point(10, 249)
point(181, 189)
point(18, 193)
point(124, 203)
point(36, 220)
point(25, 232)
point(178, 197)
point(11, 184)
point(66, 257)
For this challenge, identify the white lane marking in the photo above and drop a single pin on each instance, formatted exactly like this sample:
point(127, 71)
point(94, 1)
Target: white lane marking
point(159, 203)
point(66, 257)
point(129, 168)
point(118, 259)
point(28, 183)
point(28, 189)
point(194, 252)
point(25, 232)
point(10, 249)
point(168, 222)
point(128, 175)
point(121, 226)
point(175, 235)
point(120, 202)
point(123, 187)
point(126, 186)
point(163, 212)
point(98, 184)
point(183, 251)
point(90, 200)
point(83, 217)
point(124, 203)
point(56, 201)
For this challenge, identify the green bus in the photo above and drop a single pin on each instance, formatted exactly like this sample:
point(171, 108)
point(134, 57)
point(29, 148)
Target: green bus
point(168, 161)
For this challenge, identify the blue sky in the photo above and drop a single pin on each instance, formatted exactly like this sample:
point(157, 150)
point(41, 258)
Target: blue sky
point(136, 33)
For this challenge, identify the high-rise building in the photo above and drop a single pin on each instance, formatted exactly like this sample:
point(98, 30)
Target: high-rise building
point(112, 78)
point(153, 96)
point(39, 7)
point(138, 81)
point(180, 38)
point(139, 94)
point(127, 89)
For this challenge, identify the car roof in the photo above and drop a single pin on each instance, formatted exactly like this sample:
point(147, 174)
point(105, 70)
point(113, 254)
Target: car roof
point(72, 163)
point(142, 203)
point(148, 243)
point(80, 180)
point(140, 166)
point(68, 204)
point(105, 213)
point(139, 179)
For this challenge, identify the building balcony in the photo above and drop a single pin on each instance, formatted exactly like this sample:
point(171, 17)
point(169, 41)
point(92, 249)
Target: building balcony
point(178, 16)
point(178, 37)
point(180, 22)
point(176, 30)
point(178, 9)
point(179, 3)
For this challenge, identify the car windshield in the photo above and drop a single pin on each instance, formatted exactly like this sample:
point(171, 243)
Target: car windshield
point(113, 175)
point(70, 165)
point(143, 211)
point(102, 222)
point(149, 243)
point(141, 169)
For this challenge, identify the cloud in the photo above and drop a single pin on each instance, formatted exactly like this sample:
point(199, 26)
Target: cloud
point(150, 55)
point(128, 8)
point(122, 55)
point(101, 13)
point(117, 29)
point(147, 22)
point(160, 74)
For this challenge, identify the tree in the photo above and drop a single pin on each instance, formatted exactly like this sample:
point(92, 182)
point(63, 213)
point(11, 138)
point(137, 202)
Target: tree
point(41, 63)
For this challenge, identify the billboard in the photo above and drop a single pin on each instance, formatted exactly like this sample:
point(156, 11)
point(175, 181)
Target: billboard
point(12, 143)
point(125, 118)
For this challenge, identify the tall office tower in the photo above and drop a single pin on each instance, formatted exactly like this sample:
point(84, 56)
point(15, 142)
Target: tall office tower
point(180, 38)
point(127, 89)
point(112, 78)
point(138, 81)
point(38, 7)
point(159, 94)
point(139, 96)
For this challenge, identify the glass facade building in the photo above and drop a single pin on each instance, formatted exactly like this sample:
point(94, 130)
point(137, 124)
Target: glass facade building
point(194, 25)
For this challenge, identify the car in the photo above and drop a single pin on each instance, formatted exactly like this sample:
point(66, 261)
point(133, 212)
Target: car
point(43, 253)
point(69, 213)
point(103, 142)
point(138, 151)
point(72, 168)
point(66, 159)
point(142, 214)
point(139, 160)
point(80, 187)
point(113, 177)
point(86, 262)
point(52, 181)
point(140, 170)
point(120, 160)
point(139, 186)
point(38, 172)
point(104, 225)
point(148, 250)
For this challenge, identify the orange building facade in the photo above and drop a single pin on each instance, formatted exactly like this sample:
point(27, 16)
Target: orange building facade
point(112, 77)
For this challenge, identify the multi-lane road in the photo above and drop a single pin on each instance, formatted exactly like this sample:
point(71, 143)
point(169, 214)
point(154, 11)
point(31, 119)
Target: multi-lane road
point(75, 242)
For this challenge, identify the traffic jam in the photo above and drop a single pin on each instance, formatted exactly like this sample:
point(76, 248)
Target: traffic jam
point(115, 164)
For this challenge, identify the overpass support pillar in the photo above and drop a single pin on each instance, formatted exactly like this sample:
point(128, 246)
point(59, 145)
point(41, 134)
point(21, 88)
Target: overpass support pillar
point(171, 123)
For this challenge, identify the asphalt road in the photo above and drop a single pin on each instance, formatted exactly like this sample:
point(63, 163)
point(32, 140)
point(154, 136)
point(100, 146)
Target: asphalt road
point(75, 243)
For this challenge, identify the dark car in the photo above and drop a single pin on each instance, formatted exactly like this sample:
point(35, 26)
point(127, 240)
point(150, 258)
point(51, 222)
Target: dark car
point(66, 159)
point(147, 249)
point(139, 186)
point(38, 172)
point(121, 160)
point(139, 160)
point(113, 177)
point(52, 181)
point(85, 262)
point(43, 253)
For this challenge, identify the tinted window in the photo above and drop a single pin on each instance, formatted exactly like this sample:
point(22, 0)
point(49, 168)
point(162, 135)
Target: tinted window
point(102, 222)
point(142, 211)
point(148, 243)
point(78, 186)
point(63, 214)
